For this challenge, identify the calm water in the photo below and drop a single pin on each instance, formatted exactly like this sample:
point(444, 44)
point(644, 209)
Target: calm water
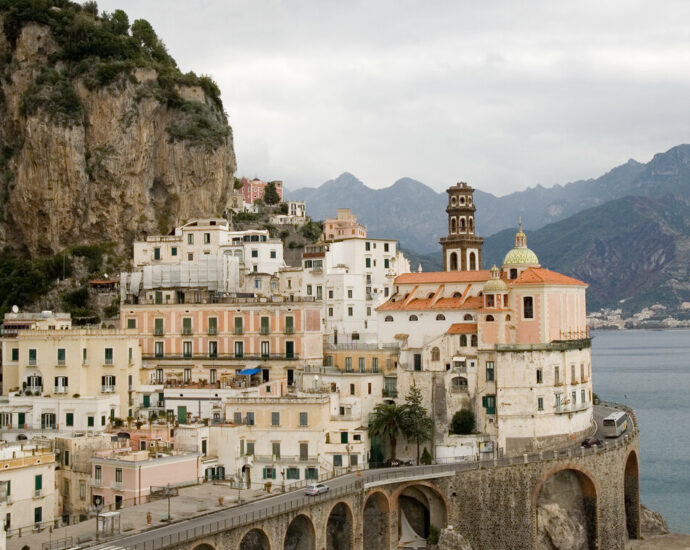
point(650, 371)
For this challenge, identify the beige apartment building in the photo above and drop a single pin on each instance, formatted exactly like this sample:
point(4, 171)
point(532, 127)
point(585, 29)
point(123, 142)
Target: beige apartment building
point(72, 362)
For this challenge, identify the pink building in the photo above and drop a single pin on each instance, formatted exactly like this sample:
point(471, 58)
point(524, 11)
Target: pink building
point(343, 226)
point(121, 479)
point(254, 189)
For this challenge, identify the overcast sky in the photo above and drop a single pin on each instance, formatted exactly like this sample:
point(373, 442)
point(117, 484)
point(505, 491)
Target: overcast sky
point(504, 95)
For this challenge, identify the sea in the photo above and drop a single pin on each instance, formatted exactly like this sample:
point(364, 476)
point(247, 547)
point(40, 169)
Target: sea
point(649, 370)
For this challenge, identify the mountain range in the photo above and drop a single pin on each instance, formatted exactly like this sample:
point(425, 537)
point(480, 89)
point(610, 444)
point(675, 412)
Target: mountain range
point(626, 233)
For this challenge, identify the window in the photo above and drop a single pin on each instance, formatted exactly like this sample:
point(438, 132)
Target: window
point(330, 294)
point(108, 356)
point(61, 356)
point(337, 461)
point(158, 327)
point(131, 323)
point(273, 254)
point(367, 246)
point(187, 325)
point(190, 257)
point(556, 376)
point(103, 420)
point(89, 423)
point(435, 354)
point(239, 325)
point(414, 318)
point(275, 449)
point(269, 473)
point(304, 451)
point(348, 364)
point(275, 419)
point(473, 340)
point(38, 514)
point(309, 290)
point(528, 307)
point(250, 419)
point(343, 437)
point(330, 312)
point(319, 292)
point(489, 403)
point(82, 490)
point(69, 419)
point(207, 238)
point(583, 397)
point(65, 458)
point(374, 364)
point(350, 311)
point(303, 419)
point(265, 349)
point(264, 325)
point(118, 475)
point(255, 253)
point(292, 473)
point(367, 262)
point(386, 263)
point(349, 293)
point(489, 318)
point(15, 354)
point(352, 389)
point(250, 448)
point(187, 375)
point(239, 349)
point(187, 349)
point(108, 383)
point(311, 473)
point(173, 251)
point(572, 374)
point(158, 349)
point(32, 357)
point(540, 403)
point(213, 349)
point(582, 372)
point(489, 371)
point(540, 376)
point(417, 361)
point(463, 340)
point(361, 362)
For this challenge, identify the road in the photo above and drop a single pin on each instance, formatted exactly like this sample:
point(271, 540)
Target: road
point(297, 498)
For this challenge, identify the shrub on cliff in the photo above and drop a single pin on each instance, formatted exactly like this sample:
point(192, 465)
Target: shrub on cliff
point(463, 422)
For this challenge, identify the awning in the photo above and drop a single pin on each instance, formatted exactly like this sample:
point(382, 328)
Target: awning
point(249, 372)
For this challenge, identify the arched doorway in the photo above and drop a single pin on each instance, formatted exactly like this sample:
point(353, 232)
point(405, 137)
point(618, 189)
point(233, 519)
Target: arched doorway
point(376, 521)
point(566, 505)
point(420, 508)
point(339, 528)
point(300, 534)
point(631, 484)
point(255, 539)
point(453, 262)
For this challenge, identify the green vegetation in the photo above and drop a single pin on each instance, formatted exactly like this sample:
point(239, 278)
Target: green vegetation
point(237, 184)
point(53, 94)
point(271, 194)
point(418, 425)
point(426, 456)
point(463, 422)
point(199, 126)
point(311, 231)
point(386, 422)
point(434, 534)
point(245, 217)
point(95, 256)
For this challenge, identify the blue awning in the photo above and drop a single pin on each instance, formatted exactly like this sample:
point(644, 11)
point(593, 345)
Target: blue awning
point(249, 372)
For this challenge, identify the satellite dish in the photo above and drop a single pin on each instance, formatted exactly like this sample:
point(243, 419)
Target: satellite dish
point(15, 309)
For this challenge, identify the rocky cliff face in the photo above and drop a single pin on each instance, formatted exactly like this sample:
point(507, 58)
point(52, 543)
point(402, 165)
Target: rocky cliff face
point(89, 157)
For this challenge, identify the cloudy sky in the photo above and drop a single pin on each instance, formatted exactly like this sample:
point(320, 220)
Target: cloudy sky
point(504, 95)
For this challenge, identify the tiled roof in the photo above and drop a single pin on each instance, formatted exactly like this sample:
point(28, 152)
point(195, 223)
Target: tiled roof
point(462, 328)
point(418, 304)
point(540, 275)
point(444, 277)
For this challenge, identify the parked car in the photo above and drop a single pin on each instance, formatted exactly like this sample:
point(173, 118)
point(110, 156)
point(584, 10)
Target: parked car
point(316, 489)
point(591, 442)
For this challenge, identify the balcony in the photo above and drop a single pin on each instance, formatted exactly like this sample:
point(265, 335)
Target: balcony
point(34, 389)
point(107, 363)
point(212, 331)
point(38, 493)
point(60, 389)
point(96, 482)
point(107, 389)
point(228, 357)
point(459, 388)
point(116, 485)
point(238, 331)
point(289, 330)
point(61, 363)
point(32, 363)
point(285, 459)
point(568, 409)
point(390, 392)
point(264, 331)
point(158, 332)
point(187, 331)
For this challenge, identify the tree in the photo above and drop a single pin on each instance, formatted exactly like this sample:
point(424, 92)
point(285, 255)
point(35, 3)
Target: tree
point(418, 426)
point(463, 422)
point(143, 33)
point(386, 421)
point(271, 194)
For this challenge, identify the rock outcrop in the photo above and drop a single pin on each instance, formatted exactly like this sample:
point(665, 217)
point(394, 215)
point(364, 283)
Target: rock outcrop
point(561, 518)
point(449, 539)
point(652, 523)
point(94, 149)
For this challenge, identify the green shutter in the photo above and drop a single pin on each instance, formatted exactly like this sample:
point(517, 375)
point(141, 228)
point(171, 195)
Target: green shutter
point(38, 482)
point(69, 419)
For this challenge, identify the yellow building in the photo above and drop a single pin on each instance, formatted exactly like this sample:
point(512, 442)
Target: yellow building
point(357, 357)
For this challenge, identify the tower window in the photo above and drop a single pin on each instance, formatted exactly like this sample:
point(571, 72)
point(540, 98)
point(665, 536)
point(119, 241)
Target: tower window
point(473, 261)
point(513, 273)
point(452, 225)
point(462, 225)
point(453, 262)
point(462, 200)
point(528, 307)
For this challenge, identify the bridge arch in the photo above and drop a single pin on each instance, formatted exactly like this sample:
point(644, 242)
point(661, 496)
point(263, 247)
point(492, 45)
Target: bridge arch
point(376, 520)
point(582, 490)
point(423, 505)
point(204, 546)
point(255, 539)
point(631, 491)
point(339, 527)
point(300, 534)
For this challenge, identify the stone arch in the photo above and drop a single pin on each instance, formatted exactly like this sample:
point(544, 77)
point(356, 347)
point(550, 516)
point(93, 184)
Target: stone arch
point(300, 534)
point(339, 527)
point(204, 546)
point(452, 224)
point(462, 224)
point(423, 504)
point(631, 490)
point(473, 261)
point(255, 539)
point(453, 261)
point(376, 521)
point(583, 500)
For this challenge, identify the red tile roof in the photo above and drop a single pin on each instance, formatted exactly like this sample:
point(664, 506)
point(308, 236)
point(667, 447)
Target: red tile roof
point(444, 277)
point(462, 328)
point(541, 276)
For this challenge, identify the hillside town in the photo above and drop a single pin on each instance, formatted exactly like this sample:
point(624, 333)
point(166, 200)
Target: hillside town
point(229, 365)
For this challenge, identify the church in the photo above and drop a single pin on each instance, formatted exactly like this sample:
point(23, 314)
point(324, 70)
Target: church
point(509, 343)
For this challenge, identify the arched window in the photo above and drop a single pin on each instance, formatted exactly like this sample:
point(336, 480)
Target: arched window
point(462, 225)
point(513, 273)
point(459, 383)
point(473, 261)
point(474, 340)
point(440, 317)
point(453, 225)
point(413, 318)
point(457, 295)
point(471, 224)
point(388, 319)
point(462, 200)
point(430, 295)
point(467, 317)
point(463, 340)
point(507, 317)
point(453, 261)
point(452, 200)
point(435, 354)
point(489, 318)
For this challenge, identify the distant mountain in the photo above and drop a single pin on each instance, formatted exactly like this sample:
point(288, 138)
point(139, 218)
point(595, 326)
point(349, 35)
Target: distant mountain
point(415, 214)
point(634, 252)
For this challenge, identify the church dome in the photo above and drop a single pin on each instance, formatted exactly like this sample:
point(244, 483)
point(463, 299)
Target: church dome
point(520, 254)
point(495, 285)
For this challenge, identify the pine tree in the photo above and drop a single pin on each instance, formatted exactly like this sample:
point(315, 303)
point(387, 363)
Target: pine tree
point(418, 426)
point(270, 194)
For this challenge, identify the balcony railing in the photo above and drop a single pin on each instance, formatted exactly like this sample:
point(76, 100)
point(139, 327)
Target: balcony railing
point(107, 389)
point(187, 330)
point(32, 363)
point(289, 330)
point(212, 331)
point(264, 331)
point(38, 493)
point(283, 459)
point(566, 409)
point(227, 356)
point(34, 389)
point(60, 389)
point(117, 485)
point(389, 392)
point(158, 332)
point(238, 331)
point(96, 482)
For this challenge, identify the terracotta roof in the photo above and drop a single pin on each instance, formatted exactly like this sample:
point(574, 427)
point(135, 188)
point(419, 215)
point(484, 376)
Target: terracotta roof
point(540, 276)
point(418, 304)
point(444, 277)
point(462, 328)
point(104, 281)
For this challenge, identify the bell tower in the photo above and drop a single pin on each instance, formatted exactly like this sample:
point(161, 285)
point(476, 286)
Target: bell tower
point(462, 249)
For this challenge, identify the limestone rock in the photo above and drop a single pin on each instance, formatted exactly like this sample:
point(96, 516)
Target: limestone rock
point(449, 539)
point(559, 530)
point(652, 523)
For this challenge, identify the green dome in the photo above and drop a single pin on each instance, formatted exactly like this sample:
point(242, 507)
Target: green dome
point(493, 286)
point(521, 256)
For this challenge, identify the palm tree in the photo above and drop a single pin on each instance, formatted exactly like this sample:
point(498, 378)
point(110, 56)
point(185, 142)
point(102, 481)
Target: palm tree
point(386, 421)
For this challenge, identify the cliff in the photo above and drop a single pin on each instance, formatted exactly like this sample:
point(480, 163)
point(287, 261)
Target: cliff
point(102, 138)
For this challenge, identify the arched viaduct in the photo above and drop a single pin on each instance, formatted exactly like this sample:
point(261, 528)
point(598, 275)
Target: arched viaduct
point(493, 506)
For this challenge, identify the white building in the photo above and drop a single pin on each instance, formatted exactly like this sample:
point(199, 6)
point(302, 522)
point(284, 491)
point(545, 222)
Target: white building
point(296, 214)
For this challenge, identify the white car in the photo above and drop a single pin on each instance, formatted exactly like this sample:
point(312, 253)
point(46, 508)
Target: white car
point(316, 489)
